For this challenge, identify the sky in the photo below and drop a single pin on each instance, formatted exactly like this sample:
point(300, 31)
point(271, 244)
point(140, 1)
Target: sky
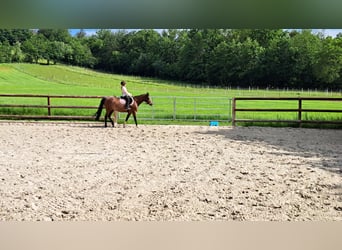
point(329, 32)
point(90, 32)
point(326, 32)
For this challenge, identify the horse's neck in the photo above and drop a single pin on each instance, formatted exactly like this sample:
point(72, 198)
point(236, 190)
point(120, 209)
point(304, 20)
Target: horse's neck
point(139, 99)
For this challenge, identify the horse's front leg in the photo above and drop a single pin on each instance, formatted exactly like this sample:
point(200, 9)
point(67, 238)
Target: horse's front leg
point(128, 115)
point(135, 119)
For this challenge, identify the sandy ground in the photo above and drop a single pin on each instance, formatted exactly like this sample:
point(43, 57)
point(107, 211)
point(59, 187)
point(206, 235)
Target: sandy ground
point(68, 172)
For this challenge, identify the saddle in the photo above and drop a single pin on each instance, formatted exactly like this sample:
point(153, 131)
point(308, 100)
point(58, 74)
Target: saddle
point(123, 100)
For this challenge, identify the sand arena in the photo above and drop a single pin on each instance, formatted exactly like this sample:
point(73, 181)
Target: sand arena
point(82, 171)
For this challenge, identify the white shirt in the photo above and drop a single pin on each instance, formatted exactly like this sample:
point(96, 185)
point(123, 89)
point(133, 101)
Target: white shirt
point(125, 92)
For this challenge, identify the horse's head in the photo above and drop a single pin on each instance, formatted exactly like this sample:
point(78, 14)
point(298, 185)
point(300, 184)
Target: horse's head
point(143, 98)
point(147, 99)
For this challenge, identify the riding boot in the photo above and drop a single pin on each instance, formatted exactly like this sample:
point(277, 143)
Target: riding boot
point(127, 104)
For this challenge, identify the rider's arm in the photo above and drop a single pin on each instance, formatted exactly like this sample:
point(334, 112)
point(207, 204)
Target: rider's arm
point(125, 92)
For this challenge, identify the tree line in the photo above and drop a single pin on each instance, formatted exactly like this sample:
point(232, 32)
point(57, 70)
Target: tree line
point(273, 58)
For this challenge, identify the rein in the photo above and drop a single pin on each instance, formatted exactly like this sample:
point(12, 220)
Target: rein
point(133, 101)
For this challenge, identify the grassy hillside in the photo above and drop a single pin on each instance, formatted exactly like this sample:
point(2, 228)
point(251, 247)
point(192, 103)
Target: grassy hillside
point(69, 80)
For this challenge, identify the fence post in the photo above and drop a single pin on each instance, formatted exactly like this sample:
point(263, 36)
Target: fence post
point(49, 108)
point(195, 108)
point(300, 111)
point(152, 113)
point(229, 109)
point(233, 111)
point(174, 108)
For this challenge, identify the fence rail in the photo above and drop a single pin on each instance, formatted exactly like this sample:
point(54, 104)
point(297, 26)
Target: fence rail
point(48, 107)
point(52, 107)
point(299, 110)
point(164, 108)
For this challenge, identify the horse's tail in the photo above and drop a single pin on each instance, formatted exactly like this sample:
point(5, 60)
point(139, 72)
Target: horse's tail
point(99, 110)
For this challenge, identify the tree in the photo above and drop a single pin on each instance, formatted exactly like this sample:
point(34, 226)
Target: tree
point(219, 67)
point(144, 51)
point(306, 47)
point(170, 46)
point(35, 48)
point(235, 63)
point(59, 35)
point(55, 51)
point(328, 67)
point(264, 37)
point(16, 53)
point(102, 46)
point(15, 35)
point(81, 34)
point(5, 52)
point(278, 64)
point(248, 59)
point(79, 54)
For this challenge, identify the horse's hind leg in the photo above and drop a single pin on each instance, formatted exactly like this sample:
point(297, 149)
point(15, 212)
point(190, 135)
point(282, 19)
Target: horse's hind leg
point(109, 116)
point(105, 119)
point(115, 118)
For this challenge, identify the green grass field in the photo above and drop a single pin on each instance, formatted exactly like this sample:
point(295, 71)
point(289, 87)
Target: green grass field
point(69, 80)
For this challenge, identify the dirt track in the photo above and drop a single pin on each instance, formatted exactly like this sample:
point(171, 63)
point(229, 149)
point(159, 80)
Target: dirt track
point(167, 173)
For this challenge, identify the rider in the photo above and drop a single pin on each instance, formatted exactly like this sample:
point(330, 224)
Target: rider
point(125, 94)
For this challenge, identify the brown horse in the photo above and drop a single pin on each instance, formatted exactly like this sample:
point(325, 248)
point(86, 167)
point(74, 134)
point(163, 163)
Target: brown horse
point(115, 104)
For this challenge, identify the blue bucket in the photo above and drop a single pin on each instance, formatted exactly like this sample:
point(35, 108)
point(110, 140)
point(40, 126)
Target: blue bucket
point(213, 123)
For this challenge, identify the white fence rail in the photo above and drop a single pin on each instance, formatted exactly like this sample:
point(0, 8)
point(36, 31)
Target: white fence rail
point(187, 108)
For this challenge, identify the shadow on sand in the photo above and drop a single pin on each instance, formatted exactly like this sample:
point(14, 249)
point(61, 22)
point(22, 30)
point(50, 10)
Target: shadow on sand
point(325, 145)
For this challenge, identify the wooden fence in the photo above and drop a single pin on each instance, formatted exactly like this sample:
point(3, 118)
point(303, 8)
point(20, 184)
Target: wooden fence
point(48, 107)
point(299, 110)
point(164, 108)
point(170, 108)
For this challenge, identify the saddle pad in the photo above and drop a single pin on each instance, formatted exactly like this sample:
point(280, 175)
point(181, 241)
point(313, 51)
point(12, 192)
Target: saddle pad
point(123, 101)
